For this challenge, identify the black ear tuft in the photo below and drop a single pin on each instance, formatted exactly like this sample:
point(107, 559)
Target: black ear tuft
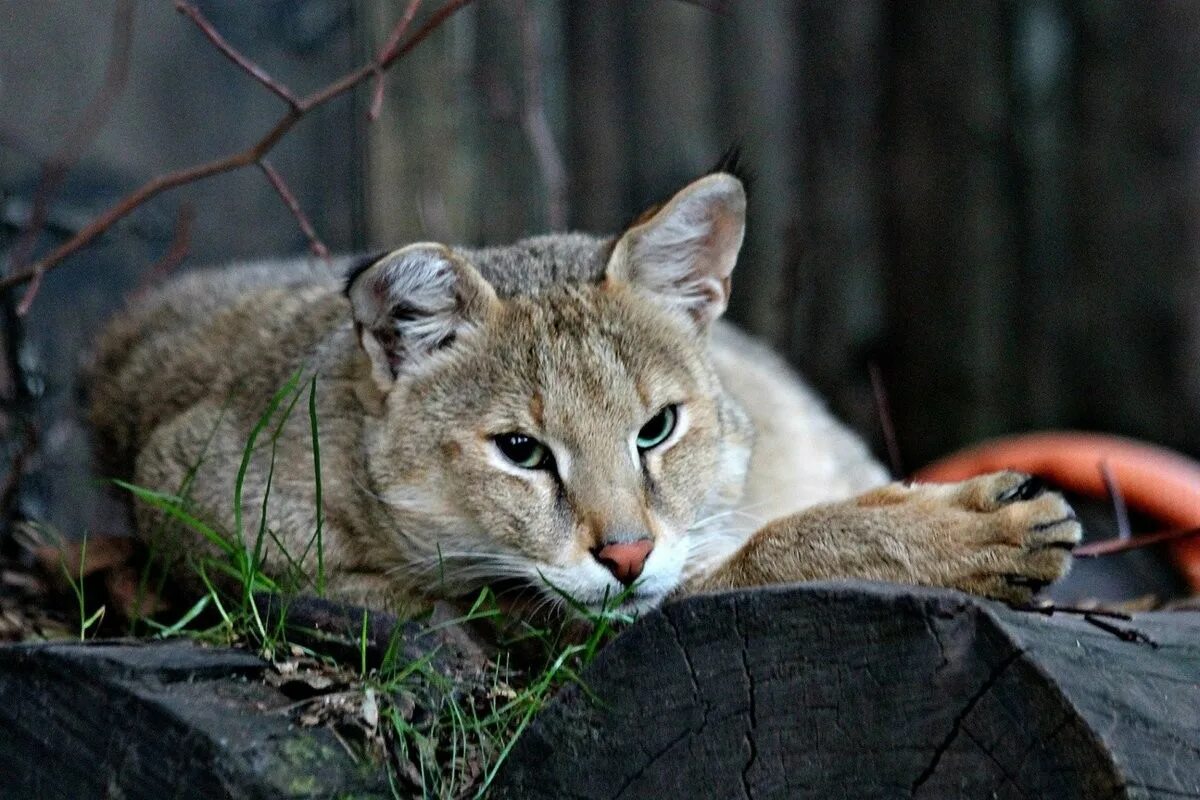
point(733, 162)
point(358, 266)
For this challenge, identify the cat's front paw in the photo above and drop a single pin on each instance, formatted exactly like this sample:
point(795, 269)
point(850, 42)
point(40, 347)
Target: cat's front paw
point(1005, 534)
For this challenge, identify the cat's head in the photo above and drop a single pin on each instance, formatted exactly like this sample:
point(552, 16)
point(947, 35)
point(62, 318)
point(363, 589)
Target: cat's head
point(566, 437)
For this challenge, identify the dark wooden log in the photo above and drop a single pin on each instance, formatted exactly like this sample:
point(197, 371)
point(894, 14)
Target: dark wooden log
point(823, 690)
point(92, 719)
point(841, 690)
point(154, 721)
point(337, 631)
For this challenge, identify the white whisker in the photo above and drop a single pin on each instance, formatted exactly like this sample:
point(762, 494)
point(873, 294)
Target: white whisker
point(365, 490)
point(741, 511)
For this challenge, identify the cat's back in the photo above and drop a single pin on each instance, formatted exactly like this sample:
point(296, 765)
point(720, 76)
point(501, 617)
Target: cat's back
point(204, 334)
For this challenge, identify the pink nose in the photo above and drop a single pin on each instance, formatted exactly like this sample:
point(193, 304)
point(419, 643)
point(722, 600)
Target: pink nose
point(625, 560)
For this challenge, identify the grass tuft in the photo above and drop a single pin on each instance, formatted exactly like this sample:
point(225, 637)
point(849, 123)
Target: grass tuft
point(443, 736)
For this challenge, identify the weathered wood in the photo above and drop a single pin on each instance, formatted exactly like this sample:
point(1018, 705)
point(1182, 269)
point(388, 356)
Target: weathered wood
point(156, 721)
point(143, 718)
point(342, 632)
point(822, 690)
point(842, 690)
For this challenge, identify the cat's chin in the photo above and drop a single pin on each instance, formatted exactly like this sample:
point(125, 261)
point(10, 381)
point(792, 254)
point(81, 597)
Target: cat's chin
point(633, 604)
point(521, 599)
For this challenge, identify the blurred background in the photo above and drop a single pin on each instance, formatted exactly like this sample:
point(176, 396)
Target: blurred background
point(996, 203)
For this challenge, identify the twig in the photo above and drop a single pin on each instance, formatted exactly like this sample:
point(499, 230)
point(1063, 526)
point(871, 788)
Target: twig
point(314, 242)
point(1050, 609)
point(249, 67)
point(251, 155)
point(1120, 511)
point(1096, 617)
point(55, 168)
point(537, 126)
point(181, 242)
point(1110, 546)
point(35, 285)
point(393, 41)
point(884, 410)
point(1124, 634)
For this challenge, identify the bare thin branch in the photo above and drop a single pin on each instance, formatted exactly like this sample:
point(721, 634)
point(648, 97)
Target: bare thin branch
point(393, 41)
point(246, 65)
point(181, 243)
point(1110, 546)
point(243, 158)
point(1120, 511)
point(352, 79)
point(884, 409)
point(35, 285)
point(84, 132)
point(289, 199)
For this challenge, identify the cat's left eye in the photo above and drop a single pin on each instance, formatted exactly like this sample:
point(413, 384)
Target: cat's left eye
point(658, 429)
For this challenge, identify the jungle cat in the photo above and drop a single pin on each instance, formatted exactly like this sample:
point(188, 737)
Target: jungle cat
point(565, 414)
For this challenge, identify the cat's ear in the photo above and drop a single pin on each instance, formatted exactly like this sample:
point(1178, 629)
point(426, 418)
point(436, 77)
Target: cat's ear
point(413, 302)
point(682, 254)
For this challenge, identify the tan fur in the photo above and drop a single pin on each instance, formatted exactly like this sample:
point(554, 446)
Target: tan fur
point(575, 340)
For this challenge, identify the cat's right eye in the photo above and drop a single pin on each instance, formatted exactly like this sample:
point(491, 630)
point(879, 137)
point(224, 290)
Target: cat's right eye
point(524, 451)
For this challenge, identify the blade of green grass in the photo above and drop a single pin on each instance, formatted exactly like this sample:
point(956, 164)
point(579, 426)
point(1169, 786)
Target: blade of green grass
point(316, 454)
point(272, 406)
point(165, 631)
point(172, 507)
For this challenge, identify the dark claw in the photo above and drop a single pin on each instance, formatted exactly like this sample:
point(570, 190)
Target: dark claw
point(1067, 546)
point(1036, 584)
point(1030, 488)
point(1054, 523)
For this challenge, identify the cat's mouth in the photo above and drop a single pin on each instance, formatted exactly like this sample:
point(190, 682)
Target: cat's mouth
point(528, 598)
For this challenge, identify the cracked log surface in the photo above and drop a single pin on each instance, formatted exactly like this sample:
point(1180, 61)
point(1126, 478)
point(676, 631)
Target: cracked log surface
point(153, 721)
point(866, 690)
point(820, 690)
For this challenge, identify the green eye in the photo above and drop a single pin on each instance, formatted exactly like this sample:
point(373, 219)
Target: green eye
point(658, 429)
point(524, 451)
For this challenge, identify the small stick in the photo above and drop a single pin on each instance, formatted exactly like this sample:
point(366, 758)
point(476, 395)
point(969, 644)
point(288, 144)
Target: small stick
point(314, 242)
point(244, 158)
point(1110, 546)
point(1124, 634)
point(389, 47)
point(884, 410)
point(181, 242)
point(1050, 609)
point(55, 169)
point(1120, 511)
point(246, 65)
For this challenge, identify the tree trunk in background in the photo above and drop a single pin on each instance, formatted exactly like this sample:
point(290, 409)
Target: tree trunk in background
point(998, 202)
point(1133, 162)
point(832, 269)
point(952, 293)
point(598, 144)
point(1042, 207)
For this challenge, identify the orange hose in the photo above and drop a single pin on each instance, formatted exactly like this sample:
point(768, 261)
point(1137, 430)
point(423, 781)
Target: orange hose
point(1154, 481)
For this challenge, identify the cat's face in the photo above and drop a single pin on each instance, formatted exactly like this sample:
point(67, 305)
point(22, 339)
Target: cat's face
point(566, 442)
